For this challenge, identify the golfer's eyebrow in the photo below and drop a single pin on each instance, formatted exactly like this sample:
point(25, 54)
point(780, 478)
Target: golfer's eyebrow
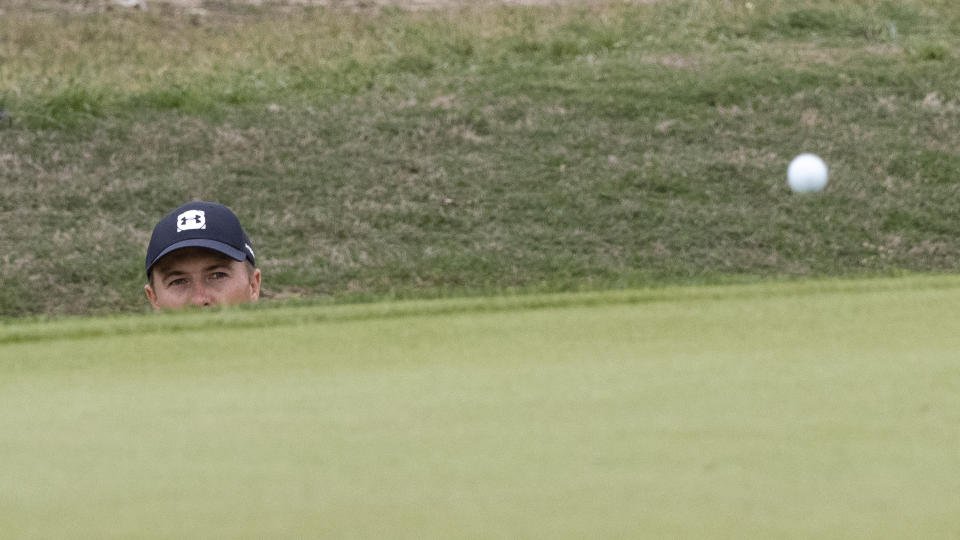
point(222, 265)
point(165, 274)
point(175, 272)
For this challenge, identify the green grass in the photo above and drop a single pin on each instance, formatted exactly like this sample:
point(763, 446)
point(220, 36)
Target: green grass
point(814, 410)
point(386, 153)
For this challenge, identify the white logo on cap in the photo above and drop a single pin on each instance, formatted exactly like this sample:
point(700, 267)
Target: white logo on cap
point(191, 220)
point(250, 249)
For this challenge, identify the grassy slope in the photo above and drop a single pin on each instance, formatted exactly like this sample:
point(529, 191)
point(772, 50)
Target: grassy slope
point(813, 411)
point(388, 153)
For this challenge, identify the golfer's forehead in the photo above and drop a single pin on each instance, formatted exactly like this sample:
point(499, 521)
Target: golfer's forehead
point(191, 259)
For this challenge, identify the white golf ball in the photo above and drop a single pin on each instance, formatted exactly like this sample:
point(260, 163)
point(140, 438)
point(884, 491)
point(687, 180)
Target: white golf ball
point(807, 173)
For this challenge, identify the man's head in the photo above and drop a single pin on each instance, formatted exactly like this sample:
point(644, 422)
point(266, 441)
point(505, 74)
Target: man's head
point(199, 255)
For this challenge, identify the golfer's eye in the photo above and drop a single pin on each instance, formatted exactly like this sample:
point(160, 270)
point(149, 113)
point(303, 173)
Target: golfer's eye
point(219, 275)
point(177, 282)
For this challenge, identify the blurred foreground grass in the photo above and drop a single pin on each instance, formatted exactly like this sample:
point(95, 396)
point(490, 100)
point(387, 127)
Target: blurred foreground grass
point(473, 150)
point(765, 411)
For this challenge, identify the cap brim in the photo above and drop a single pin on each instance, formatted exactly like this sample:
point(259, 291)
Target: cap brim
point(220, 247)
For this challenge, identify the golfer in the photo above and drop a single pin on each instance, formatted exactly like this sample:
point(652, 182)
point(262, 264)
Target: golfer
point(199, 255)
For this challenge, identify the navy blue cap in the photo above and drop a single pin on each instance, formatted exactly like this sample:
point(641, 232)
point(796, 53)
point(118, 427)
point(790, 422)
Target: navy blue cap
point(200, 224)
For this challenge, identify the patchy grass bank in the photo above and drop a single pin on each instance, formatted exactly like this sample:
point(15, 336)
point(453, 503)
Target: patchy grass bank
point(391, 153)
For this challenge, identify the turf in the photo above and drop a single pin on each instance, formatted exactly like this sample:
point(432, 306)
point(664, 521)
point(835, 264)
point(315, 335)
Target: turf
point(389, 153)
point(815, 410)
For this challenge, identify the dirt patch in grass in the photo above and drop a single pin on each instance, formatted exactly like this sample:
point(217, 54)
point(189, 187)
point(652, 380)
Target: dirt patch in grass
point(410, 4)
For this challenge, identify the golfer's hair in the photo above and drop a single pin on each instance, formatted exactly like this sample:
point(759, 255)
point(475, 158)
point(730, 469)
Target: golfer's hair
point(246, 263)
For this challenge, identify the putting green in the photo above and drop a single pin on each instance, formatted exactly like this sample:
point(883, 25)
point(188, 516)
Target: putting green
point(817, 410)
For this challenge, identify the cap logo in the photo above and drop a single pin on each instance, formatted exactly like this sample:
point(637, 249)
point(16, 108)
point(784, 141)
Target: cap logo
point(191, 220)
point(250, 249)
